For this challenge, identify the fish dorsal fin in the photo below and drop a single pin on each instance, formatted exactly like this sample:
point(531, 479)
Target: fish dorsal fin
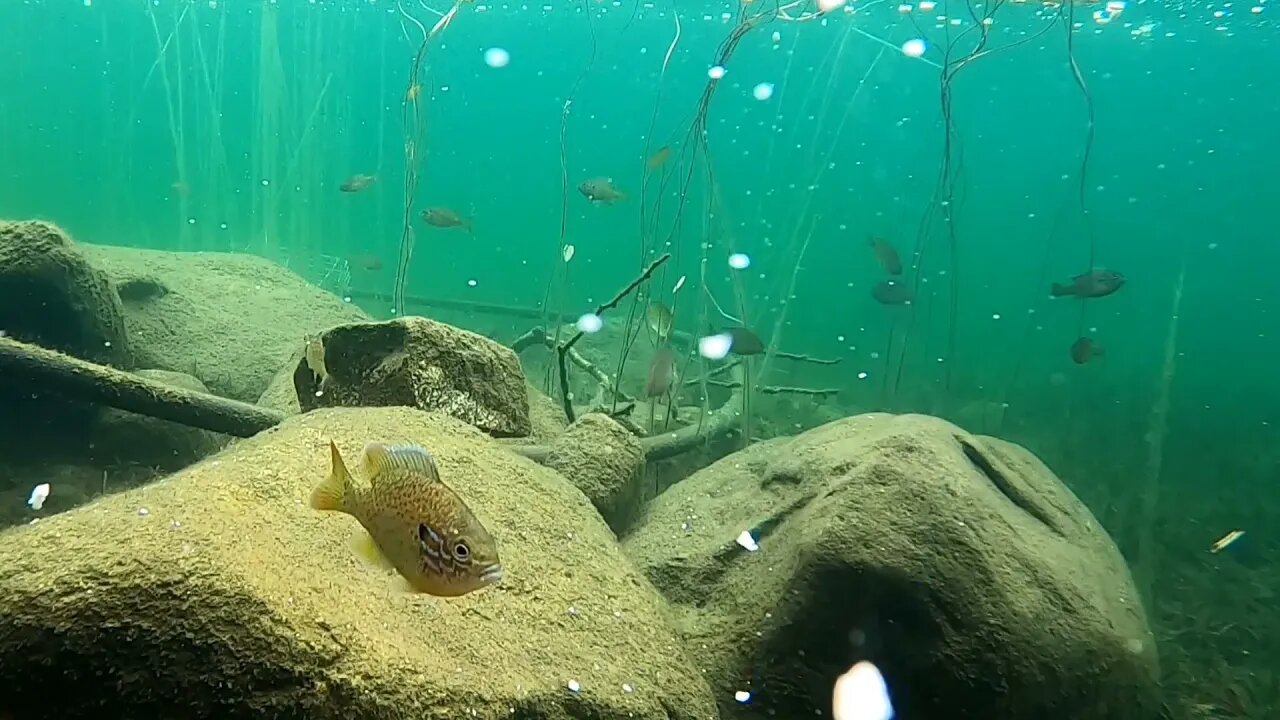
point(379, 458)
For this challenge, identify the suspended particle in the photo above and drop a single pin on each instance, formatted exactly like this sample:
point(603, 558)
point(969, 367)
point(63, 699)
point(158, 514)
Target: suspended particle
point(913, 48)
point(742, 696)
point(763, 91)
point(715, 72)
point(776, 38)
point(590, 323)
point(472, 283)
point(568, 252)
point(829, 5)
point(927, 6)
point(496, 57)
point(679, 284)
point(739, 261)
point(904, 9)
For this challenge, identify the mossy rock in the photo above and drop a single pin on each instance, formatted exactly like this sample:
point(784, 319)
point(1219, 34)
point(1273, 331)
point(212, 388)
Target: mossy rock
point(605, 462)
point(229, 319)
point(958, 564)
point(218, 593)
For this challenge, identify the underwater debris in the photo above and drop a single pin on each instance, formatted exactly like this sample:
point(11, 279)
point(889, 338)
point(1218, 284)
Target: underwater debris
point(1226, 541)
point(454, 554)
point(1093, 284)
point(748, 541)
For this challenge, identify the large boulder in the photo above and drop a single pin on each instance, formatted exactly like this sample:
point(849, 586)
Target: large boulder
point(229, 319)
point(218, 593)
point(52, 296)
point(958, 564)
point(416, 362)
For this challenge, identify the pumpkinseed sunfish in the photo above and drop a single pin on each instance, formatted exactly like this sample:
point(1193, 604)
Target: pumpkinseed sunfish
point(445, 218)
point(415, 523)
point(1093, 284)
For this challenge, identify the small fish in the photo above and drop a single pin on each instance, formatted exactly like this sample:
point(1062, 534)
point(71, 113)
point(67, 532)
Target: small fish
point(1226, 541)
point(1084, 349)
point(887, 256)
point(660, 320)
point(892, 292)
point(445, 218)
point(662, 373)
point(601, 190)
point(314, 355)
point(357, 183)
point(414, 522)
point(1093, 284)
point(743, 341)
point(659, 158)
point(372, 263)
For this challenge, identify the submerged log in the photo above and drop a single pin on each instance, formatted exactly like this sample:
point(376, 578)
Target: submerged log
point(45, 370)
point(39, 369)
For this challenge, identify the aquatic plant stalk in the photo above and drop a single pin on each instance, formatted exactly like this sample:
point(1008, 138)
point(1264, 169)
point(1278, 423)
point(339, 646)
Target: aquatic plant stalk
point(1148, 549)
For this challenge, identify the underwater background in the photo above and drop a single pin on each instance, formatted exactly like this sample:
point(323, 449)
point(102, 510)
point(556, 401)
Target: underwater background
point(1025, 145)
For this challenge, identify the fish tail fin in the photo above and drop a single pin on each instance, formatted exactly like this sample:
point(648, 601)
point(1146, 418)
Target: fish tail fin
point(334, 493)
point(1059, 290)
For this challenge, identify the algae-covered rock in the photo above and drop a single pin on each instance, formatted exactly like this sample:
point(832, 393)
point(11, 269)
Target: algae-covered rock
point(603, 460)
point(120, 435)
point(546, 416)
point(420, 363)
point(218, 593)
point(229, 319)
point(50, 295)
point(959, 564)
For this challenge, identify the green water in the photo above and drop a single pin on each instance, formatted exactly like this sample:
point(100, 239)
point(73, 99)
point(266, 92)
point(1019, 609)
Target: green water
point(228, 126)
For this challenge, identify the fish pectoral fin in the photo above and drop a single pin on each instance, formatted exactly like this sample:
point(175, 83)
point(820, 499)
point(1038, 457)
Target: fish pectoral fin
point(332, 494)
point(379, 458)
point(366, 548)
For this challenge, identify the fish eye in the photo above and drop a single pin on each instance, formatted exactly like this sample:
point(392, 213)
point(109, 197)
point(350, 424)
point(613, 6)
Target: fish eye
point(461, 551)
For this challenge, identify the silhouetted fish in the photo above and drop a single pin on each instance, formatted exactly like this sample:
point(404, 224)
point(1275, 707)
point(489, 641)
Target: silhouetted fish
point(1093, 284)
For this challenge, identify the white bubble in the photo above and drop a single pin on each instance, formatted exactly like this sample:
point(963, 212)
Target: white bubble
point(913, 48)
point(496, 57)
point(861, 694)
point(716, 72)
point(472, 283)
point(829, 5)
point(763, 91)
point(38, 495)
point(715, 347)
point(590, 323)
point(739, 261)
point(862, 376)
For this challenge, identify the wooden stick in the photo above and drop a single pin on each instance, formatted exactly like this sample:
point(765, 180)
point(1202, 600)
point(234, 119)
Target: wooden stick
point(564, 349)
point(33, 366)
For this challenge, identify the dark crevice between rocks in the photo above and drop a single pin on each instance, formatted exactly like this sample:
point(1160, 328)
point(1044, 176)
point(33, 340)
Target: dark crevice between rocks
point(1006, 486)
point(141, 290)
